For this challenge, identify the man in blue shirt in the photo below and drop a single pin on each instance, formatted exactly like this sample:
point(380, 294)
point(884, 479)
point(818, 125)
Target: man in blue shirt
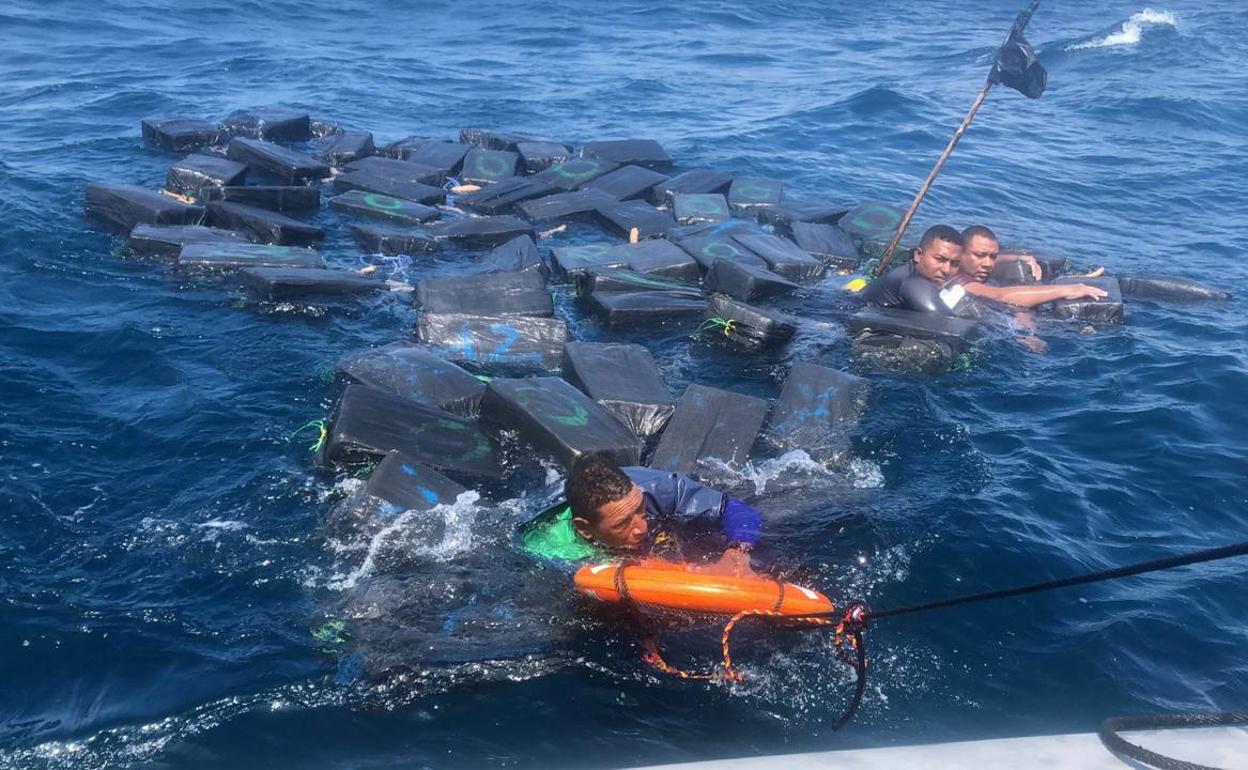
point(633, 510)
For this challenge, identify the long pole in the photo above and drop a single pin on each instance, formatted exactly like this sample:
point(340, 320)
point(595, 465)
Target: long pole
point(944, 156)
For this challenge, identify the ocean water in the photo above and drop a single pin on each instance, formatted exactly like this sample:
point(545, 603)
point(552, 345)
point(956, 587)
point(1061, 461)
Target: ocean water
point(166, 548)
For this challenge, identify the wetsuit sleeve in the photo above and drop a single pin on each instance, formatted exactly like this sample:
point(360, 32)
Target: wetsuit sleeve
point(675, 494)
point(883, 291)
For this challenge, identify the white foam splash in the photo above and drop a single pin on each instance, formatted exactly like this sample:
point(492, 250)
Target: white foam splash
point(1131, 30)
point(458, 519)
point(864, 474)
point(760, 473)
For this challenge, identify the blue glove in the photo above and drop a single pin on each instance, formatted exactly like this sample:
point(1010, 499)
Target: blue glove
point(741, 523)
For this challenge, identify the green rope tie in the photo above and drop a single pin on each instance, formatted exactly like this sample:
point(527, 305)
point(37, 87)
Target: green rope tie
point(322, 434)
point(728, 325)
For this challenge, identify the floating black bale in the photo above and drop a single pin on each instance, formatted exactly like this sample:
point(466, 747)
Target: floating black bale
point(274, 124)
point(263, 225)
point(343, 147)
point(562, 207)
point(1106, 310)
point(538, 156)
point(745, 281)
point(230, 255)
point(446, 157)
point(622, 379)
point(571, 261)
point(488, 166)
point(368, 424)
point(168, 240)
point(746, 325)
point(627, 183)
point(1012, 272)
point(495, 140)
point(871, 221)
point(783, 257)
point(398, 147)
point(514, 342)
point(552, 414)
point(397, 170)
point(725, 229)
point(279, 283)
point(124, 206)
point(709, 424)
point(693, 208)
point(706, 249)
point(416, 373)
point(815, 407)
point(658, 257)
point(748, 194)
point(616, 279)
point(283, 198)
point(287, 166)
point(518, 255)
point(1168, 288)
point(406, 485)
point(915, 325)
point(573, 174)
point(367, 181)
point(625, 309)
point(692, 182)
point(180, 134)
point(826, 242)
point(392, 241)
point(480, 232)
point(623, 217)
point(646, 153)
point(501, 197)
point(791, 212)
point(195, 173)
point(378, 206)
point(501, 294)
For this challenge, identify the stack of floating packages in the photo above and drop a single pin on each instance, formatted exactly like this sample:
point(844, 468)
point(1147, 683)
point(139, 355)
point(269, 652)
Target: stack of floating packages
point(695, 248)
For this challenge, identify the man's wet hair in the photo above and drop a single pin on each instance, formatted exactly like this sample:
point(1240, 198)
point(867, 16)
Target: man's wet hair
point(940, 233)
point(595, 480)
point(978, 231)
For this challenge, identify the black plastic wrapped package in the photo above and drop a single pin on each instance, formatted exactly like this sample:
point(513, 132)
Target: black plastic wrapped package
point(619, 279)
point(709, 424)
point(387, 207)
point(503, 196)
point(629, 309)
point(828, 243)
point(1168, 288)
point(622, 379)
point(406, 485)
point(575, 173)
point(627, 182)
point(368, 424)
point(658, 257)
point(958, 332)
point(692, 182)
point(646, 153)
point(871, 221)
point(745, 282)
point(168, 240)
point(391, 241)
point(783, 257)
point(446, 157)
point(280, 163)
point(693, 208)
point(416, 373)
point(263, 225)
point(180, 134)
point(518, 255)
point(563, 207)
point(193, 174)
point(496, 343)
point(287, 199)
point(275, 124)
point(343, 147)
point(816, 407)
point(539, 156)
point(551, 414)
point(571, 261)
point(1106, 310)
point(503, 294)
point(748, 194)
point(236, 255)
point(122, 206)
point(488, 166)
point(480, 232)
point(750, 327)
point(706, 249)
point(623, 217)
point(370, 182)
point(282, 283)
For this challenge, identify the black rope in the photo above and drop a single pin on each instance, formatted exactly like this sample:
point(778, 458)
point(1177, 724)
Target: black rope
point(860, 668)
point(1124, 749)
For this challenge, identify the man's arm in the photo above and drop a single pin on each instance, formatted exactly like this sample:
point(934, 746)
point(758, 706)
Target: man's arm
point(1031, 296)
point(679, 496)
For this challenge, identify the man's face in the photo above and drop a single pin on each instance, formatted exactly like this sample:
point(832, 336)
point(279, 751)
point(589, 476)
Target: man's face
point(979, 256)
point(939, 261)
point(621, 523)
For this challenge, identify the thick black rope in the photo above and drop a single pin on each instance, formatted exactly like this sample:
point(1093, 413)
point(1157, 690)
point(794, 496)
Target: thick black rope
point(1124, 749)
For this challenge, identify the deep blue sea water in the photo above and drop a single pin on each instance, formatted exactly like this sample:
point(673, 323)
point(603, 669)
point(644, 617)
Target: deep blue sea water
point(163, 554)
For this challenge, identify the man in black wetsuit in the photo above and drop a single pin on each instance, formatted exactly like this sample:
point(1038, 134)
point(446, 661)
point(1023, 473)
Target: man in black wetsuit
point(917, 285)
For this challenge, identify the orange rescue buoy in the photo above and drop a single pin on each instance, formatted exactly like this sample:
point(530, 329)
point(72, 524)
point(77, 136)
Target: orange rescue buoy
point(676, 587)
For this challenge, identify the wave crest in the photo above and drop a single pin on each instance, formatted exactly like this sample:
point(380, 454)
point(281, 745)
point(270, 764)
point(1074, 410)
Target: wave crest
point(1131, 30)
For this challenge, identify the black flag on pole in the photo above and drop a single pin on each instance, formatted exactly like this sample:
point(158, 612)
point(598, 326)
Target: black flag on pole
point(1016, 65)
